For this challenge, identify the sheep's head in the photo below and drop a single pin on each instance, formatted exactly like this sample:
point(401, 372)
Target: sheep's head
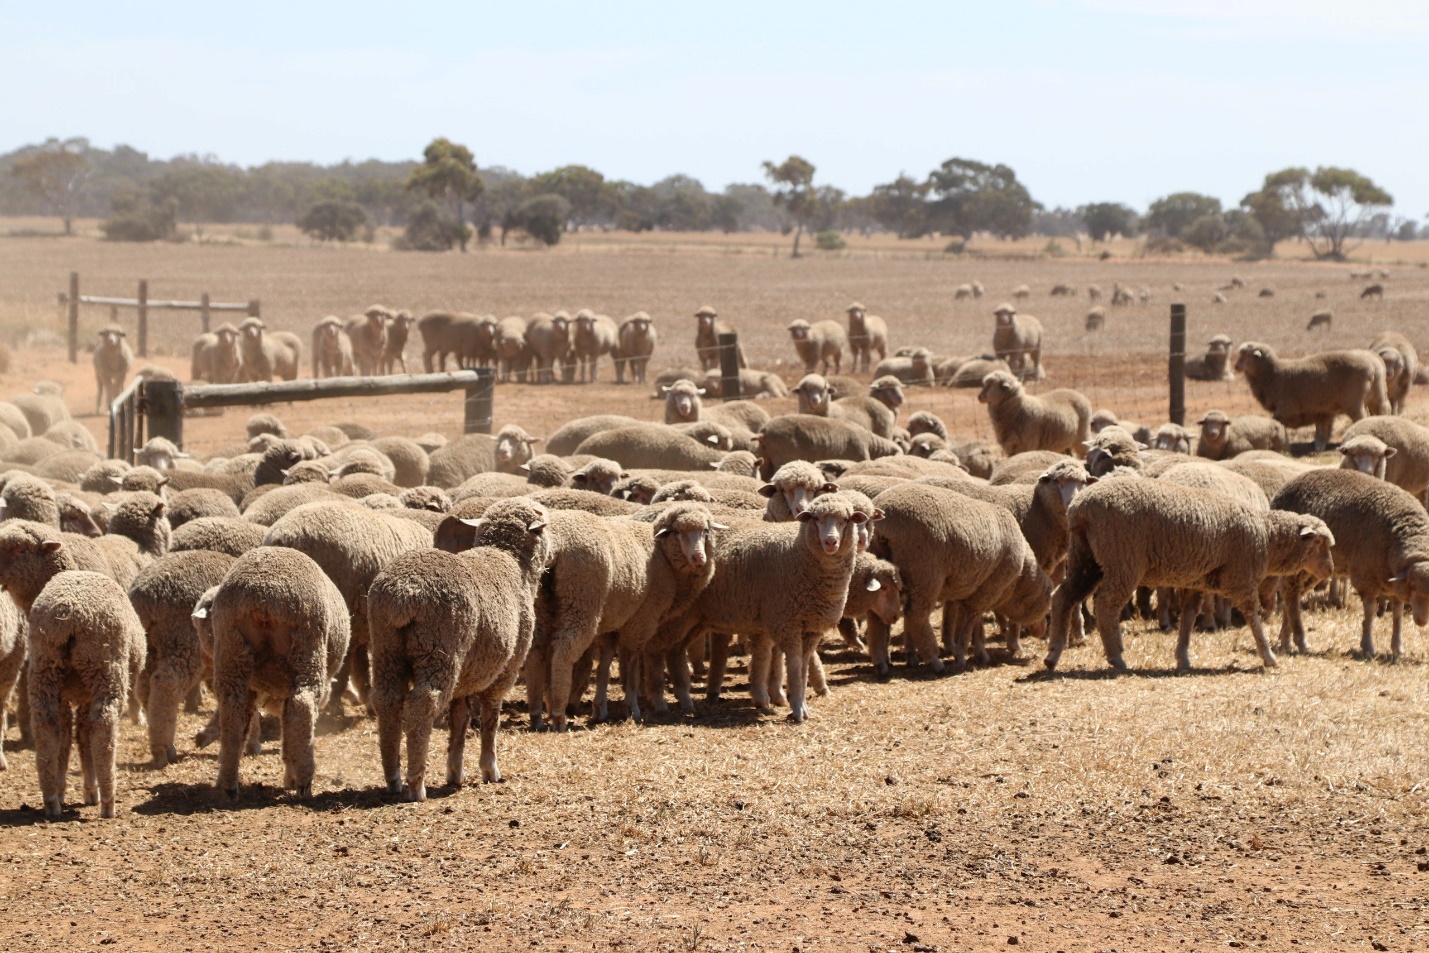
point(1004, 314)
point(561, 323)
point(1317, 546)
point(799, 329)
point(601, 476)
point(1252, 357)
point(640, 322)
point(1393, 363)
point(1412, 587)
point(330, 330)
point(307, 471)
point(30, 554)
point(691, 529)
point(683, 398)
point(814, 394)
point(925, 445)
point(925, 422)
point(997, 387)
point(1066, 480)
point(227, 337)
point(513, 448)
point(430, 498)
point(75, 517)
point(1215, 428)
point(252, 329)
point(1110, 448)
point(143, 478)
point(831, 520)
point(110, 337)
point(547, 470)
point(888, 389)
point(683, 490)
point(798, 484)
point(872, 514)
point(585, 321)
point(742, 462)
point(856, 315)
point(878, 586)
point(1031, 597)
point(1366, 454)
point(1101, 420)
point(705, 319)
point(517, 526)
point(377, 318)
point(158, 453)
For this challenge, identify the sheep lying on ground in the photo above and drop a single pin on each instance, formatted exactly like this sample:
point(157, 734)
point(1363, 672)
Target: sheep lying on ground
point(915, 367)
point(1215, 364)
point(820, 343)
point(755, 385)
point(866, 334)
point(1223, 437)
point(1017, 339)
point(112, 360)
point(1381, 542)
point(1058, 420)
point(280, 631)
point(1129, 533)
point(86, 646)
point(1314, 389)
point(448, 631)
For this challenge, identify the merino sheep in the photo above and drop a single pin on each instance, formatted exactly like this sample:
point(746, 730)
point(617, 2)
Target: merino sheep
point(1314, 389)
point(651, 446)
point(513, 449)
point(1218, 298)
point(792, 488)
point(814, 394)
point(1215, 364)
point(1223, 437)
point(221, 534)
point(43, 407)
point(805, 437)
point(1017, 339)
point(866, 334)
point(915, 367)
point(635, 343)
point(1387, 344)
point(332, 349)
point(368, 333)
point(1113, 448)
point(216, 357)
point(14, 647)
point(1172, 438)
point(1129, 533)
point(1381, 542)
point(1096, 317)
point(455, 333)
point(448, 631)
point(1022, 292)
point(1061, 290)
point(513, 353)
point(708, 328)
point(395, 350)
point(682, 402)
point(548, 336)
point(594, 335)
point(112, 361)
point(1058, 420)
point(877, 412)
point(821, 343)
point(461, 459)
point(1375, 290)
point(1406, 454)
point(86, 645)
point(1321, 319)
point(280, 631)
point(266, 355)
point(962, 292)
point(753, 384)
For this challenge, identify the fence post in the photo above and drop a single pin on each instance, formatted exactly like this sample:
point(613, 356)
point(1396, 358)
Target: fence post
point(729, 366)
point(164, 408)
point(143, 317)
point(254, 308)
point(479, 401)
point(74, 317)
point(1176, 370)
point(203, 310)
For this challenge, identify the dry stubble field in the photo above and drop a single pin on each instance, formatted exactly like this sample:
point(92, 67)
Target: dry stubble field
point(1081, 812)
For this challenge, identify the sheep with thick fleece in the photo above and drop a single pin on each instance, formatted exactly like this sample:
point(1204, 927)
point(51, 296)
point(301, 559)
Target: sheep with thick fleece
point(31, 554)
point(877, 411)
point(25, 497)
point(332, 349)
point(1137, 532)
point(806, 437)
point(548, 336)
point(222, 534)
point(513, 449)
point(1113, 448)
point(1405, 456)
point(792, 489)
point(1171, 438)
point(753, 384)
point(461, 459)
point(1314, 389)
point(141, 517)
point(867, 333)
point(112, 360)
point(368, 333)
point(1057, 420)
point(651, 446)
point(395, 351)
point(1381, 543)
point(163, 596)
point(1223, 437)
point(682, 402)
point(268, 354)
point(1017, 339)
point(635, 342)
point(915, 367)
point(1408, 359)
point(216, 357)
point(820, 343)
point(14, 647)
point(564, 440)
point(594, 335)
point(280, 630)
point(448, 631)
point(85, 645)
point(708, 328)
point(1215, 364)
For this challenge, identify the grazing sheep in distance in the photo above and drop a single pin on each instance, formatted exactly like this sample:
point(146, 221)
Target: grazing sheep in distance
point(1236, 282)
point(1021, 292)
point(216, 358)
point(1388, 344)
point(1119, 295)
point(1373, 291)
point(1094, 293)
point(1061, 290)
point(635, 343)
point(1314, 389)
point(1096, 317)
point(1267, 293)
point(707, 331)
point(112, 360)
point(86, 647)
point(1218, 298)
point(1017, 339)
point(1058, 420)
point(1215, 364)
point(978, 290)
point(962, 292)
point(819, 343)
point(866, 333)
point(1321, 319)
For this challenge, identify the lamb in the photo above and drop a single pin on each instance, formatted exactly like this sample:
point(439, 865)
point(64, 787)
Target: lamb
point(650, 446)
point(1058, 420)
point(635, 343)
point(595, 334)
point(448, 631)
point(1126, 533)
point(1321, 319)
point(1096, 317)
point(85, 645)
point(368, 333)
point(1406, 455)
point(1386, 344)
point(216, 357)
point(280, 630)
point(266, 355)
point(1017, 339)
point(866, 333)
point(953, 549)
point(1314, 389)
point(805, 437)
point(707, 331)
point(332, 349)
point(395, 351)
point(1215, 364)
point(1381, 542)
point(218, 533)
point(916, 367)
point(548, 336)
point(163, 597)
point(820, 343)
point(1375, 290)
point(1223, 437)
point(112, 361)
point(461, 459)
point(682, 402)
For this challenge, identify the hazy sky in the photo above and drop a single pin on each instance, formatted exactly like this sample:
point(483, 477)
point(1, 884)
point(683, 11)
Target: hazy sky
point(1089, 100)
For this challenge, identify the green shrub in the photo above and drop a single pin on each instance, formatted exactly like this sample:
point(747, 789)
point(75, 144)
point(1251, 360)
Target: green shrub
point(136, 218)
point(829, 240)
point(429, 230)
point(333, 221)
point(956, 247)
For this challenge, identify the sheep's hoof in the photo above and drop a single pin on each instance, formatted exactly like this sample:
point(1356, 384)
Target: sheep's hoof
point(394, 785)
point(1051, 662)
point(687, 706)
point(538, 723)
point(491, 775)
point(91, 798)
point(54, 810)
point(231, 793)
point(1270, 662)
point(305, 791)
point(797, 718)
point(106, 809)
point(415, 792)
point(202, 740)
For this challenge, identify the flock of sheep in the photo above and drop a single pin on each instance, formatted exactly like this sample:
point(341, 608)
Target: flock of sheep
point(425, 577)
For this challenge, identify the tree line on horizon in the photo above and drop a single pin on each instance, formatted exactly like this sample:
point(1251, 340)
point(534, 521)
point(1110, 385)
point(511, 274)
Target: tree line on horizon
point(444, 201)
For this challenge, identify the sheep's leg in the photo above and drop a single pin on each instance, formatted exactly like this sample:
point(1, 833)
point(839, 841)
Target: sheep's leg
point(1190, 606)
point(166, 689)
point(1014, 640)
point(193, 700)
point(237, 707)
point(253, 747)
point(798, 677)
point(719, 664)
point(759, 672)
point(82, 729)
point(677, 660)
point(630, 673)
point(535, 672)
point(878, 637)
point(488, 720)
point(580, 679)
point(972, 636)
point(1109, 601)
point(1367, 629)
point(695, 653)
point(776, 676)
point(1247, 604)
point(387, 699)
point(1291, 625)
point(362, 676)
point(949, 634)
point(1322, 432)
point(1163, 608)
point(566, 649)
point(1396, 644)
point(918, 636)
point(458, 722)
point(848, 628)
point(600, 707)
point(652, 681)
point(815, 667)
point(339, 688)
point(22, 706)
point(419, 714)
point(300, 722)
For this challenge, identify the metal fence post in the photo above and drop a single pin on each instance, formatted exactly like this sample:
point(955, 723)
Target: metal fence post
point(254, 307)
point(143, 317)
point(164, 408)
point(729, 366)
point(1176, 370)
point(74, 317)
point(479, 402)
point(203, 310)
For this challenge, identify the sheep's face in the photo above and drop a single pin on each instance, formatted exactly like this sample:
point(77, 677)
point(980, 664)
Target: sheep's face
point(1004, 319)
point(109, 338)
point(252, 330)
point(1252, 357)
point(886, 589)
point(1213, 429)
point(1366, 454)
point(585, 325)
point(706, 323)
point(331, 333)
point(1172, 439)
point(997, 387)
point(890, 393)
point(376, 322)
point(1317, 545)
point(813, 392)
point(691, 530)
point(1069, 479)
point(799, 330)
point(228, 339)
point(1393, 363)
point(833, 527)
point(863, 532)
point(561, 325)
point(684, 399)
point(641, 326)
point(602, 479)
point(513, 448)
point(856, 323)
point(1412, 586)
point(797, 492)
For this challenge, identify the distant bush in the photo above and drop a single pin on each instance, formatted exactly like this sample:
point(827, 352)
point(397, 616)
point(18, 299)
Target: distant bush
point(543, 217)
point(956, 247)
point(137, 218)
point(1106, 253)
point(829, 240)
point(333, 221)
point(1163, 245)
point(1206, 233)
point(429, 230)
point(265, 233)
point(1054, 249)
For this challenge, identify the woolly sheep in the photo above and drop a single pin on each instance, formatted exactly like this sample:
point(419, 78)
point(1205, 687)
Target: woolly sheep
point(448, 631)
point(395, 351)
point(216, 357)
point(280, 630)
point(1314, 389)
point(25, 497)
point(1105, 418)
point(1321, 319)
point(916, 367)
point(1057, 420)
point(455, 333)
point(1017, 339)
point(513, 448)
point(1096, 317)
point(567, 437)
point(682, 402)
point(594, 335)
point(1113, 448)
point(1381, 542)
point(866, 334)
point(1406, 455)
point(708, 328)
point(1397, 387)
point(14, 647)
point(112, 361)
point(820, 343)
point(368, 333)
point(1022, 292)
point(925, 421)
point(1215, 364)
point(266, 355)
point(512, 352)
point(877, 412)
point(332, 349)
point(218, 533)
point(792, 489)
point(141, 517)
point(752, 384)
point(461, 459)
point(1373, 291)
point(650, 446)
point(43, 407)
point(635, 343)
point(962, 292)
point(1172, 438)
point(31, 554)
point(548, 336)
point(1223, 437)
point(85, 645)
point(805, 437)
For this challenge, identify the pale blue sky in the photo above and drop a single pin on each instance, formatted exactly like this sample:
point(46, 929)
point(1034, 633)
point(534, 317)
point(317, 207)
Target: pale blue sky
point(1088, 100)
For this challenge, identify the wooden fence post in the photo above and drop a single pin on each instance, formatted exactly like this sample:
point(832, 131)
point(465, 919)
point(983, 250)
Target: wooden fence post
point(254, 308)
point(480, 399)
point(164, 408)
point(144, 317)
point(74, 317)
point(729, 366)
point(203, 310)
point(1176, 370)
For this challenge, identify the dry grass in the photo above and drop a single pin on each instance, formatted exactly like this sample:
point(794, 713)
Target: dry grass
point(1080, 812)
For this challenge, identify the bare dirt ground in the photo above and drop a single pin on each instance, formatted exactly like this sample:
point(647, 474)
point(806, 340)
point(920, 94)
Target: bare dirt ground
point(1226, 807)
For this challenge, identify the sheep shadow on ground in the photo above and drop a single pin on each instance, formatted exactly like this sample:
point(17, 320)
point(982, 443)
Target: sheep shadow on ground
point(1109, 674)
point(182, 799)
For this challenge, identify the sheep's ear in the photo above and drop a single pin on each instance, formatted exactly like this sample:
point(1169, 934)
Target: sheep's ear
point(136, 451)
point(1091, 479)
point(714, 465)
point(117, 481)
point(662, 532)
point(700, 391)
point(1393, 580)
point(182, 456)
point(1311, 531)
point(805, 516)
point(530, 439)
point(536, 525)
point(665, 388)
point(623, 476)
point(163, 482)
point(200, 613)
point(713, 439)
point(158, 509)
point(50, 546)
point(526, 467)
point(873, 585)
point(1089, 444)
point(474, 524)
point(719, 526)
point(767, 490)
point(1390, 451)
point(111, 507)
point(858, 518)
point(876, 515)
point(1344, 451)
point(1141, 446)
point(830, 488)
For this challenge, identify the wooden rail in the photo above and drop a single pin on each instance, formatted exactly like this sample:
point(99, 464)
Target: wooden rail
point(72, 299)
